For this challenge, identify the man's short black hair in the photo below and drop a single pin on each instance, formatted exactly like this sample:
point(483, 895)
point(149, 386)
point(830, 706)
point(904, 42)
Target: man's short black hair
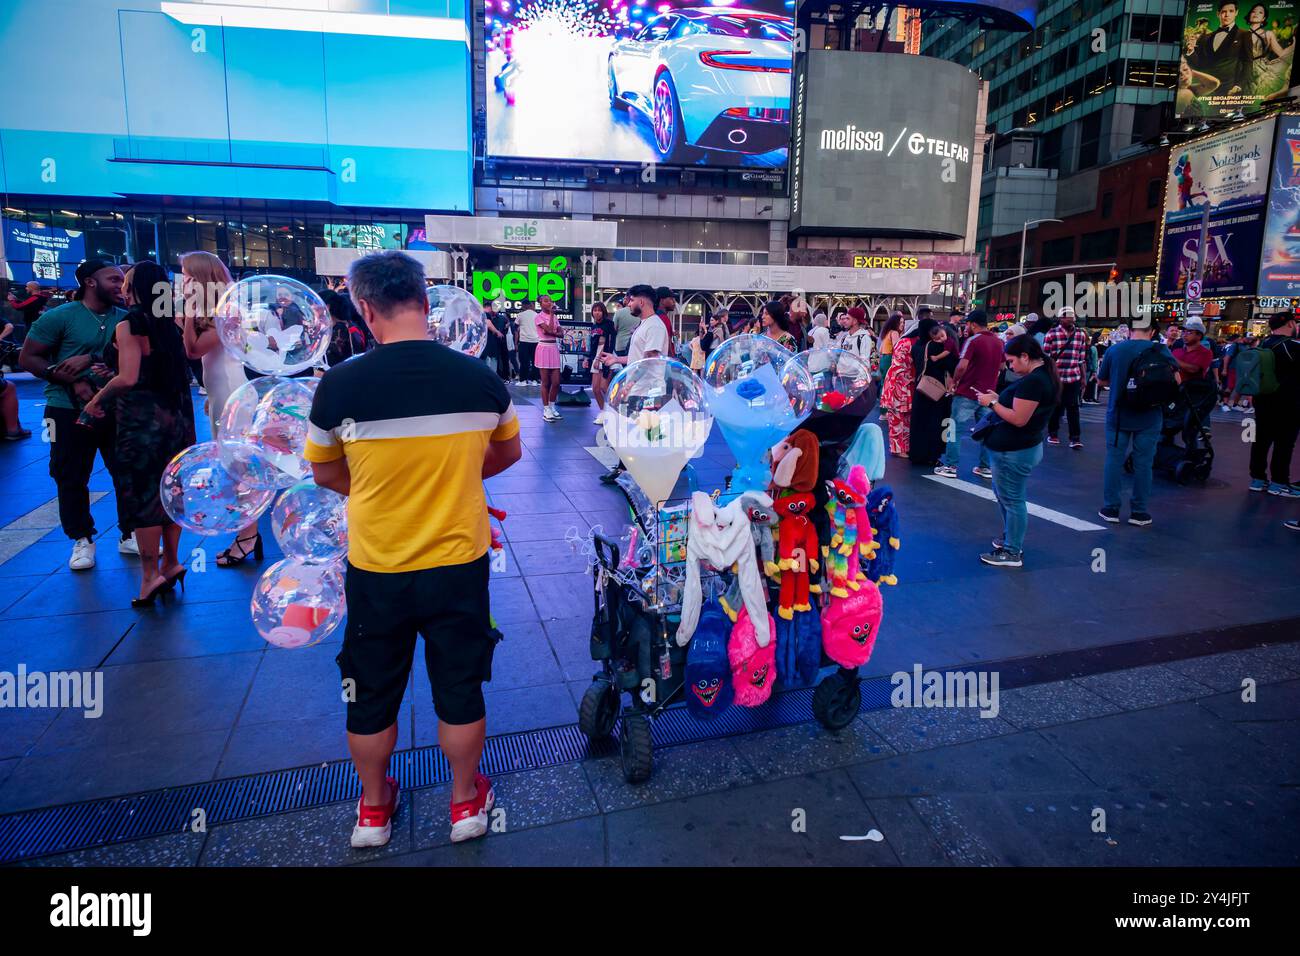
point(643, 291)
point(977, 317)
point(1227, 3)
point(387, 280)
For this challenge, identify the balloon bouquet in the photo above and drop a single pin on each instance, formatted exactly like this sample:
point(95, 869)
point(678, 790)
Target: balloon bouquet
point(278, 327)
point(758, 392)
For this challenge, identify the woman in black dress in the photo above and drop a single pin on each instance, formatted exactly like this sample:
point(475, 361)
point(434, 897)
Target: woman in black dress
point(931, 357)
point(155, 422)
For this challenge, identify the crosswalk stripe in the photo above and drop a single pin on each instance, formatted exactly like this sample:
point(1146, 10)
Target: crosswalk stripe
point(1038, 511)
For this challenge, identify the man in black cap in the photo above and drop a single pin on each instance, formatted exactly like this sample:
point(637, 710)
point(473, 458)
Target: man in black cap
point(61, 347)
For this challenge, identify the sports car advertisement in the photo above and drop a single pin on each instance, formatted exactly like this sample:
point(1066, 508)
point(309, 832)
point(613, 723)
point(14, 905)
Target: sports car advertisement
point(640, 81)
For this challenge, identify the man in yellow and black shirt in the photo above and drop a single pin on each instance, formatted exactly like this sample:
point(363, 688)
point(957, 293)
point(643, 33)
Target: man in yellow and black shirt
point(409, 431)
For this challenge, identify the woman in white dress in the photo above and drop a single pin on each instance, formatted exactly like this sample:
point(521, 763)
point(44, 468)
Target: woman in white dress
point(205, 279)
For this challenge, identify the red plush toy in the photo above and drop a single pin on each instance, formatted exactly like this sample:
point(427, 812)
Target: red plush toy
point(796, 551)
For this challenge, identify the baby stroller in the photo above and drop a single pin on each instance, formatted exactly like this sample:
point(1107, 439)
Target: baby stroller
point(1188, 418)
point(634, 641)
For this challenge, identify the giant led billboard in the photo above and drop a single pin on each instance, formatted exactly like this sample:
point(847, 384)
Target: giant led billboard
point(1236, 56)
point(883, 144)
point(1279, 268)
point(1216, 186)
point(640, 81)
point(340, 102)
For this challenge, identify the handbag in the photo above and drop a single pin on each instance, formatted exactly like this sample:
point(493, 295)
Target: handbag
point(985, 425)
point(928, 385)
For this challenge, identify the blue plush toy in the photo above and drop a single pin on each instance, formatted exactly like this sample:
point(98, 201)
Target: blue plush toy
point(708, 670)
point(884, 523)
point(799, 648)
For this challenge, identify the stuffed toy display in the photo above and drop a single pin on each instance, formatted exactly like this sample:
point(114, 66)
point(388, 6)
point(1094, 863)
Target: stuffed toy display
point(852, 539)
point(799, 648)
point(708, 668)
point(850, 625)
point(762, 523)
point(868, 450)
point(884, 525)
point(795, 460)
point(753, 660)
point(720, 538)
point(797, 550)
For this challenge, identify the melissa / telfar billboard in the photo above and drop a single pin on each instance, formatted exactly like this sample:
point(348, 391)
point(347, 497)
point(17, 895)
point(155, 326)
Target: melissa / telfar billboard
point(883, 143)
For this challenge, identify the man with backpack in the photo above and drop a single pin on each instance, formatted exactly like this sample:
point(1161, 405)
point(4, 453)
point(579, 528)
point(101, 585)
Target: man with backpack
point(1275, 374)
point(1143, 379)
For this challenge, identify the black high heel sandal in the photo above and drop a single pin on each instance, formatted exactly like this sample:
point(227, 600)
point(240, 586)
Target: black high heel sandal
point(229, 558)
point(148, 599)
point(177, 578)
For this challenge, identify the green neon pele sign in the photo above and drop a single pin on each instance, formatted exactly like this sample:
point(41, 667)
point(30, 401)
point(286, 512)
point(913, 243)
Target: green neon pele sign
point(520, 286)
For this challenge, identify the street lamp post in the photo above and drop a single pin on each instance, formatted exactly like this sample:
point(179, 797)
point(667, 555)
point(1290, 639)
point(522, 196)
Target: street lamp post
point(1020, 273)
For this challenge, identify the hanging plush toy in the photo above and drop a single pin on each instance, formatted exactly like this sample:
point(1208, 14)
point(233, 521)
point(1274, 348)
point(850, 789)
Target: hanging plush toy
point(762, 523)
point(720, 538)
point(753, 664)
point(795, 460)
point(843, 504)
point(708, 668)
point(884, 525)
point(797, 550)
point(856, 515)
point(850, 626)
point(799, 648)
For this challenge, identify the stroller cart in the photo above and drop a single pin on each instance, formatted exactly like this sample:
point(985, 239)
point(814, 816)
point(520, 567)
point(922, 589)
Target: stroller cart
point(1187, 418)
point(637, 606)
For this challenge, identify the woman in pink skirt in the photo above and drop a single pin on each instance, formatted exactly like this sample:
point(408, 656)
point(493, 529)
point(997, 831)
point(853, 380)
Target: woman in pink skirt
point(547, 359)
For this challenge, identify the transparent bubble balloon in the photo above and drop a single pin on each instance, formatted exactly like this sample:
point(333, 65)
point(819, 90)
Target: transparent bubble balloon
point(755, 402)
point(271, 415)
point(298, 605)
point(217, 487)
point(657, 420)
point(740, 355)
point(274, 325)
point(456, 320)
point(838, 377)
point(310, 523)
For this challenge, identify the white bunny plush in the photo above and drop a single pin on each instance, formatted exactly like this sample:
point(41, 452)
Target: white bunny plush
point(720, 537)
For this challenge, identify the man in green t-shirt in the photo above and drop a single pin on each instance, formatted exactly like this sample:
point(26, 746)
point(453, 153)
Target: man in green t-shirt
point(61, 347)
point(625, 324)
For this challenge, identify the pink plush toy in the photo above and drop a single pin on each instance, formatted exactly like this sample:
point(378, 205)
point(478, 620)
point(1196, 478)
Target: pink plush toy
point(849, 626)
point(753, 668)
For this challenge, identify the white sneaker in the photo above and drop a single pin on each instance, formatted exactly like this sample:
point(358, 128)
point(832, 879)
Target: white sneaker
point(546, 414)
point(83, 555)
point(556, 412)
point(128, 545)
point(946, 471)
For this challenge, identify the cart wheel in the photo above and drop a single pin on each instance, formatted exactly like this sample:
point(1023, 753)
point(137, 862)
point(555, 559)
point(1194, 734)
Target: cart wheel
point(636, 748)
point(836, 701)
point(599, 709)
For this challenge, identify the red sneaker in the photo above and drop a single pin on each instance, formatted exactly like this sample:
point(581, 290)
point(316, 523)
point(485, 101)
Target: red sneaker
point(375, 824)
point(469, 820)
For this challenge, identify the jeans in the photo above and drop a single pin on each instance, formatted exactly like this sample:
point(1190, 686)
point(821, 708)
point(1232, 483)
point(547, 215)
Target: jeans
point(964, 411)
point(1010, 476)
point(1276, 423)
point(72, 459)
point(1144, 454)
point(1069, 403)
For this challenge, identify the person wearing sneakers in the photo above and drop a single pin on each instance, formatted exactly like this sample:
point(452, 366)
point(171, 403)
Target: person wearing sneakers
point(1129, 425)
point(65, 347)
point(650, 340)
point(1277, 410)
point(546, 357)
point(1067, 344)
point(409, 431)
point(981, 360)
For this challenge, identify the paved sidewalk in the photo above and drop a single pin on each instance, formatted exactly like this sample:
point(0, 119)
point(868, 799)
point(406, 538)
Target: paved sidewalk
point(196, 695)
point(1168, 758)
